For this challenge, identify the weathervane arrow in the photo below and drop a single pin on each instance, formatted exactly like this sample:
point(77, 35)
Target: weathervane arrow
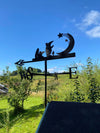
point(39, 57)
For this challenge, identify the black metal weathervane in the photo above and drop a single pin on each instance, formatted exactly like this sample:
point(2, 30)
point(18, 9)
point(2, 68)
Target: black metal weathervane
point(50, 56)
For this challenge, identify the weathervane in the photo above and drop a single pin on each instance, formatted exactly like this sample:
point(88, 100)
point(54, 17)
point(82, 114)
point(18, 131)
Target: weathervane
point(50, 55)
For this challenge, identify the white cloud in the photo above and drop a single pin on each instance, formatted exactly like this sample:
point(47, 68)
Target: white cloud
point(94, 32)
point(90, 24)
point(93, 17)
point(61, 71)
point(51, 70)
point(55, 69)
point(1, 72)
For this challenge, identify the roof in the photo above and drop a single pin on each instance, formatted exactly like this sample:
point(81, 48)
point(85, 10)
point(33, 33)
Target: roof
point(70, 117)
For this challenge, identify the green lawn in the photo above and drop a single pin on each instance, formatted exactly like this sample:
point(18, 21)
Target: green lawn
point(34, 108)
point(29, 121)
point(59, 90)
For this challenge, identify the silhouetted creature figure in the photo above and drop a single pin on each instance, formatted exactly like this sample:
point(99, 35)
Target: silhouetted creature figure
point(53, 53)
point(38, 54)
point(49, 48)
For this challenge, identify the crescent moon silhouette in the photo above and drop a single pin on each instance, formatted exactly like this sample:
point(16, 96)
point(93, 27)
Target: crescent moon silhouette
point(70, 46)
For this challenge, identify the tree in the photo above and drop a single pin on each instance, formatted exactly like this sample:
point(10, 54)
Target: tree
point(6, 75)
point(22, 72)
point(20, 90)
point(76, 95)
point(93, 87)
point(14, 73)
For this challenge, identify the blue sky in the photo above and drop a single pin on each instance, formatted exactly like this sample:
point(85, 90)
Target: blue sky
point(26, 25)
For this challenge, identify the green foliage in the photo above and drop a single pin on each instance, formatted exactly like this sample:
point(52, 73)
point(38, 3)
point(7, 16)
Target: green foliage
point(27, 73)
point(7, 122)
point(52, 91)
point(26, 122)
point(93, 87)
point(36, 70)
point(52, 85)
point(77, 95)
point(94, 90)
point(52, 96)
point(21, 71)
point(20, 92)
point(38, 87)
point(87, 87)
point(6, 75)
point(14, 73)
point(84, 89)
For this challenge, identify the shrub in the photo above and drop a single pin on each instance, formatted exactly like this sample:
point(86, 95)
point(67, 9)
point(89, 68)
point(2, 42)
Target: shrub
point(93, 87)
point(52, 96)
point(6, 121)
point(76, 95)
point(20, 92)
point(52, 91)
point(38, 87)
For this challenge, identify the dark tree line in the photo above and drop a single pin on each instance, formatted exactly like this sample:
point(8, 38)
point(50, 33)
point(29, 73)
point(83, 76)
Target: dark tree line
point(35, 70)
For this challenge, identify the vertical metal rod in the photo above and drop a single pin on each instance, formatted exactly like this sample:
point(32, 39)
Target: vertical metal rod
point(45, 83)
point(70, 73)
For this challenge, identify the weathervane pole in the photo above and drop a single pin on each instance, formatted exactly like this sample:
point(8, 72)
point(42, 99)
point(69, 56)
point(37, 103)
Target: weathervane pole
point(45, 83)
point(50, 56)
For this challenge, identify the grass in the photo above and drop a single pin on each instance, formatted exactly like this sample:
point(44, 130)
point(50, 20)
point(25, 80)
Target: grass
point(29, 120)
point(34, 107)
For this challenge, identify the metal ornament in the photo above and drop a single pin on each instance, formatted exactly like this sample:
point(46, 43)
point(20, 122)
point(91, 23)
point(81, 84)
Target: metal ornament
point(70, 47)
point(50, 56)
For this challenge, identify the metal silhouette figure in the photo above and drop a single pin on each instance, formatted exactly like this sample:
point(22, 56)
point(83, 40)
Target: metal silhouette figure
point(38, 54)
point(50, 56)
point(71, 44)
point(49, 48)
point(60, 35)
